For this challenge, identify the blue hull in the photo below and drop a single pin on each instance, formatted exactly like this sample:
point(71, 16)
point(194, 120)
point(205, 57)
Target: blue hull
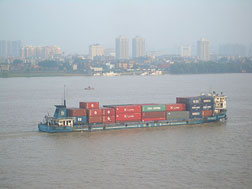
point(53, 129)
point(97, 127)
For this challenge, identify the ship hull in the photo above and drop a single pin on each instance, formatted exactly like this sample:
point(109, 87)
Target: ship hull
point(53, 129)
point(129, 125)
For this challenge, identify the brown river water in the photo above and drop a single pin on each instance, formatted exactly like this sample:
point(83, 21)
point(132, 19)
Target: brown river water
point(217, 155)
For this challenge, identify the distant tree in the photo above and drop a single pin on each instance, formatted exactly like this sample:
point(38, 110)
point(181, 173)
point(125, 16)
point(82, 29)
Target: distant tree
point(17, 61)
point(48, 64)
point(210, 67)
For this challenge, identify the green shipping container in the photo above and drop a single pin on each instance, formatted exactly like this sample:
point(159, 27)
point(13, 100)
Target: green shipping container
point(153, 108)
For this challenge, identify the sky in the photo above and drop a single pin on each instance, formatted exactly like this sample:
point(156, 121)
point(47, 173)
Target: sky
point(165, 24)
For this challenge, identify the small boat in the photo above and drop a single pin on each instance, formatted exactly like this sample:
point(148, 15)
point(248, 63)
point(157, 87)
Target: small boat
point(89, 88)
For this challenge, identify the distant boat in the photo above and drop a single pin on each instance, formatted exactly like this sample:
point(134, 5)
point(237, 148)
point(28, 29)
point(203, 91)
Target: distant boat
point(89, 88)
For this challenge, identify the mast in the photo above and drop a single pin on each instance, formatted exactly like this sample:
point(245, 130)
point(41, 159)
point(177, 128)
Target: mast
point(64, 96)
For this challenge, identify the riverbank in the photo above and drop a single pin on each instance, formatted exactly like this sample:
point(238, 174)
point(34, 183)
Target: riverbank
point(60, 74)
point(38, 74)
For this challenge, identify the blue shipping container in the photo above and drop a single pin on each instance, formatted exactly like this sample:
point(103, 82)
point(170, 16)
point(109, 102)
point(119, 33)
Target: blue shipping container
point(80, 119)
point(194, 115)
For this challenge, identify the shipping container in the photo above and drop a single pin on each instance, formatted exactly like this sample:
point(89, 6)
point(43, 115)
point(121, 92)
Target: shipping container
point(108, 119)
point(89, 105)
point(80, 119)
point(195, 115)
point(207, 107)
point(94, 112)
point(207, 100)
point(73, 112)
point(95, 119)
point(178, 115)
point(128, 117)
point(194, 108)
point(108, 111)
point(128, 109)
point(154, 119)
point(153, 108)
point(189, 100)
point(207, 113)
point(175, 107)
point(154, 114)
point(114, 105)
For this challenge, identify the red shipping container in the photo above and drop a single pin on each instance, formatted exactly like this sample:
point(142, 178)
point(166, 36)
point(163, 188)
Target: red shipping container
point(89, 105)
point(95, 119)
point(73, 112)
point(207, 113)
point(108, 111)
point(108, 119)
point(153, 115)
point(128, 109)
point(154, 119)
point(94, 112)
point(128, 117)
point(175, 107)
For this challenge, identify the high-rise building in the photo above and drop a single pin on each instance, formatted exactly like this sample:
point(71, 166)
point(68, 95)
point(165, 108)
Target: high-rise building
point(185, 51)
point(10, 48)
point(122, 47)
point(50, 51)
point(28, 51)
point(40, 52)
point(203, 49)
point(138, 47)
point(96, 50)
point(3, 48)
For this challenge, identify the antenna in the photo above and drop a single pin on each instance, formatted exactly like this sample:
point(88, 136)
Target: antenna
point(64, 95)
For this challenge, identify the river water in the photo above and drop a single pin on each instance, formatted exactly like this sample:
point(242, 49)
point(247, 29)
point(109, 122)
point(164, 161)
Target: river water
point(215, 155)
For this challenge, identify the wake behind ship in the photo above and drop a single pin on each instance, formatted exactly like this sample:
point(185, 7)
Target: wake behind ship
point(89, 116)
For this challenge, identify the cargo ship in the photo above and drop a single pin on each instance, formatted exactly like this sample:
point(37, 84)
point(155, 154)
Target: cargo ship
point(89, 116)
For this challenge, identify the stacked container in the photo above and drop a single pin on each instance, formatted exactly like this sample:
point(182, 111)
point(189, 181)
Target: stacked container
point(176, 112)
point(127, 113)
point(153, 112)
point(207, 106)
point(79, 115)
point(193, 105)
point(94, 114)
point(108, 115)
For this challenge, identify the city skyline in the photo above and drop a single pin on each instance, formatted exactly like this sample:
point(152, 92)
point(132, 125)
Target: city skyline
point(10, 49)
point(169, 25)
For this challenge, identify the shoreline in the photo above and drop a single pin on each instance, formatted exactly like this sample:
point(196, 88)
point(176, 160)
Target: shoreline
point(58, 74)
point(63, 74)
point(39, 74)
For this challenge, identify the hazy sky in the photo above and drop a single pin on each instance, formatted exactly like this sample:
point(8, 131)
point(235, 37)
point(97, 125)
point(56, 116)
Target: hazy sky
point(75, 24)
